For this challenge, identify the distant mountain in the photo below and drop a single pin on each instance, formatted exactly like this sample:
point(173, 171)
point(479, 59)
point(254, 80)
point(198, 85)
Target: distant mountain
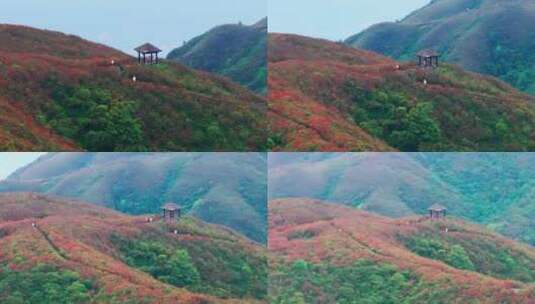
point(60, 92)
point(484, 36)
point(494, 189)
point(222, 188)
point(236, 51)
point(81, 253)
point(326, 96)
point(333, 254)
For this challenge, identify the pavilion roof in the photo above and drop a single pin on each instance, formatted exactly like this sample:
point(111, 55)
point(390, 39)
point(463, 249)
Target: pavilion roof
point(437, 207)
point(428, 53)
point(171, 206)
point(148, 48)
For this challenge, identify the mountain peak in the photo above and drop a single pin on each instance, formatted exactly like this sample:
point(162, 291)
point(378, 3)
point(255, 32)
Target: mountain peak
point(262, 24)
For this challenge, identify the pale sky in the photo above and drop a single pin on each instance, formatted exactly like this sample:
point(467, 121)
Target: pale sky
point(126, 24)
point(11, 161)
point(335, 19)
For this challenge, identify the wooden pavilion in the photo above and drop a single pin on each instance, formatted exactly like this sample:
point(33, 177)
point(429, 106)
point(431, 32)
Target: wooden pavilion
point(147, 54)
point(428, 58)
point(437, 212)
point(171, 212)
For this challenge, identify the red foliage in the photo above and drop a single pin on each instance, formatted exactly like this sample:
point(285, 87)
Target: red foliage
point(343, 235)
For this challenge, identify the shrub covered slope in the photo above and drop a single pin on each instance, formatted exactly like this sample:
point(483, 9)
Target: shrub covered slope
point(325, 96)
point(60, 92)
point(87, 254)
point(333, 254)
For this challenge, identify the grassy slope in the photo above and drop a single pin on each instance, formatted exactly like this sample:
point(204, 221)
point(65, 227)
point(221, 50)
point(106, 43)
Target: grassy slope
point(83, 239)
point(321, 242)
point(490, 37)
point(326, 96)
point(235, 51)
point(222, 188)
point(70, 96)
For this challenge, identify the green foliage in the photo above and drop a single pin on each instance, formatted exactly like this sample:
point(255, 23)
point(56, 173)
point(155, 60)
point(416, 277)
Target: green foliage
point(301, 234)
point(497, 188)
point(43, 284)
point(89, 115)
point(275, 140)
point(390, 115)
point(212, 266)
point(509, 61)
point(474, 254)
point(454, 256)
point(234, 51)
point(363, 282)
point(170, 266)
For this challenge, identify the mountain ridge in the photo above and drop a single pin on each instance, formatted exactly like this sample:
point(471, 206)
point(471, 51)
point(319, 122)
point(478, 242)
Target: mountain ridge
point(488, 37)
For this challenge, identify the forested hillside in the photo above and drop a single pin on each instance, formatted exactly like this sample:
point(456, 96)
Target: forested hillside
point(236, 51)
